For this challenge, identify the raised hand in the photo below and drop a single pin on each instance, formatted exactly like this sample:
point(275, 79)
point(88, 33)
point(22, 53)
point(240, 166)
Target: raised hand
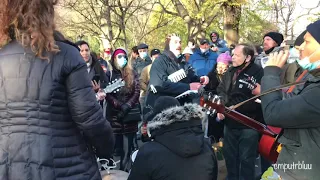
point(204, 80)
point(278, 59)
point(96, 86)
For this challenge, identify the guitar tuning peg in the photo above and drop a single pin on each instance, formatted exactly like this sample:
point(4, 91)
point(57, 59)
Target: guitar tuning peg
point(109, 83)
point(118, 90)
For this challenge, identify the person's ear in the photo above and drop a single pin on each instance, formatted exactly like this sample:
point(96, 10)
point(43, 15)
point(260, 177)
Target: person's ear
point(248, 58)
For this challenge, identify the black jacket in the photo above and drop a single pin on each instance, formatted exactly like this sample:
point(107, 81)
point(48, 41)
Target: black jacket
point(299, 116)
point(139, 64)
point(178, 150)
point(161, 68)
point(234, 92)
point(96, 70)
point(117, 99)
point(49, 117)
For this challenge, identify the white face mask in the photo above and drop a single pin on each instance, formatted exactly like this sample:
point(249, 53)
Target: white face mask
point(175, 45)
point(204, 50)
point(307, 65)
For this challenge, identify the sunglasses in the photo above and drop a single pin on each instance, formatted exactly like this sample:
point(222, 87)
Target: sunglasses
point(121, 56)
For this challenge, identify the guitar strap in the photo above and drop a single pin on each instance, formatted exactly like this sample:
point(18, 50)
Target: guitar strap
point(291, 85)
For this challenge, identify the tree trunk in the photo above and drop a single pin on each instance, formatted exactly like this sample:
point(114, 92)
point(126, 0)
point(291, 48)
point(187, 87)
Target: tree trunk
point(109, 22)
point(232, 15)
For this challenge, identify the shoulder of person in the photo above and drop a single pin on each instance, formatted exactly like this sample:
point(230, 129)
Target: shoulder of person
point(69, 55)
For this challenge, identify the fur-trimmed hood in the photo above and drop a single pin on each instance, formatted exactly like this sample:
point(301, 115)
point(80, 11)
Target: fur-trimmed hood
point(179, 129)
point(177, 114)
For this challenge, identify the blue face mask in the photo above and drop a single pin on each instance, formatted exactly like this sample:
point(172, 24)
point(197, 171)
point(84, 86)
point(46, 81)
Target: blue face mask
point(143, 55)
point(122, 62)
point(307, 65)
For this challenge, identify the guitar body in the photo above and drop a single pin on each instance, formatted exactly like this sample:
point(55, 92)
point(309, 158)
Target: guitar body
point(269, 146)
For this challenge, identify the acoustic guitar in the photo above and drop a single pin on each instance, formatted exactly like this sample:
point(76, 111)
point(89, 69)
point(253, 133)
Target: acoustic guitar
point(268, 146)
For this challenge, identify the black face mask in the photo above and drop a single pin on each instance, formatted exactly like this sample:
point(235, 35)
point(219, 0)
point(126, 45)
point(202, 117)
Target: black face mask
point(269, 50)
point(243, 64)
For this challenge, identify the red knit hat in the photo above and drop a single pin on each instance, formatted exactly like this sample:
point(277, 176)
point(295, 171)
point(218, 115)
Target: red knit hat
point(116, 52)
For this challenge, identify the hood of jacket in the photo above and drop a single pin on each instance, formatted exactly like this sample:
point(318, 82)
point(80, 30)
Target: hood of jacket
point(180, 129)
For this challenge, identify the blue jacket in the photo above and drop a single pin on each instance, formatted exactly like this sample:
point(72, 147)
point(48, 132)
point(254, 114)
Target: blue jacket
point(222, 46)
point(203, 63)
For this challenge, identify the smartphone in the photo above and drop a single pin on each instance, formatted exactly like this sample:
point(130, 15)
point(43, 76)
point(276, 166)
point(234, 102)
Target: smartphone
point(96, 78)
point(284, 48)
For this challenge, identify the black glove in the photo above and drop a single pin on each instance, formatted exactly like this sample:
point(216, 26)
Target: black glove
point(125, 108)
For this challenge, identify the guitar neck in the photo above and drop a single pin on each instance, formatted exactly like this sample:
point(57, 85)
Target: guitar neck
point(243, 119)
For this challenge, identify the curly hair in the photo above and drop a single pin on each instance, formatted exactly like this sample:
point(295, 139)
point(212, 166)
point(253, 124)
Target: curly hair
point(30, 22)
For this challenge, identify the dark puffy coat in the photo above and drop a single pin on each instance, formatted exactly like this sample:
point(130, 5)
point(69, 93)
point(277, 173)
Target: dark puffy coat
point(115, 100)
point(47, 110)
point(178, 150)
point(161, 68)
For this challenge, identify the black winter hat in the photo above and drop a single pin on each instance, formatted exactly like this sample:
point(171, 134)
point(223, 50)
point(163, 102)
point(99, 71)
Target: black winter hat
point(154, 52)
point(277, 37)
point(314, 30)
point(162, 103)
point(300, 39)
point(143, 46)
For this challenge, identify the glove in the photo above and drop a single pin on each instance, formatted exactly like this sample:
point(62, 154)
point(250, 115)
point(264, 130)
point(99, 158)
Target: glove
point(125, 108)
point(195, 86)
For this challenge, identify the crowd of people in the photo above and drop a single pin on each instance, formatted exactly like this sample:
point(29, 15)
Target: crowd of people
point(64, 108)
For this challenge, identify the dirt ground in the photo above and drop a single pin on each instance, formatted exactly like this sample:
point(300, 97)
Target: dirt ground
point(222, 170)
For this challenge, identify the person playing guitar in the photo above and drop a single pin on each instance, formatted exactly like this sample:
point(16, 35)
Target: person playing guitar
point(299, 115)
point(240, 142)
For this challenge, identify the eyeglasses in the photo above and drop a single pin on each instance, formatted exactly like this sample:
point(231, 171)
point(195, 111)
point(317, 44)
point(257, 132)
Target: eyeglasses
point(121, 56)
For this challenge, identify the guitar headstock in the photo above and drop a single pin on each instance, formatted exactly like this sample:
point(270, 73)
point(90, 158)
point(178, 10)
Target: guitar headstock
point(114, 86)
point(212, 104)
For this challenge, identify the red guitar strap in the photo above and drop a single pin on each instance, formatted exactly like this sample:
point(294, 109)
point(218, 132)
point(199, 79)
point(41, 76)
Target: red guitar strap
point(299, 79)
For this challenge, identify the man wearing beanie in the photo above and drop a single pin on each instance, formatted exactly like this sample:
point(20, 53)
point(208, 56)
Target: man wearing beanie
point(178, 150)
point(299, 115)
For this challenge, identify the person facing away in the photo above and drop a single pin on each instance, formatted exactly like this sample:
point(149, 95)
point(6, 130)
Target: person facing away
point(178, 149)
point(240, 143)
point(203, 59)
point(51, 124)
point(298, 115)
